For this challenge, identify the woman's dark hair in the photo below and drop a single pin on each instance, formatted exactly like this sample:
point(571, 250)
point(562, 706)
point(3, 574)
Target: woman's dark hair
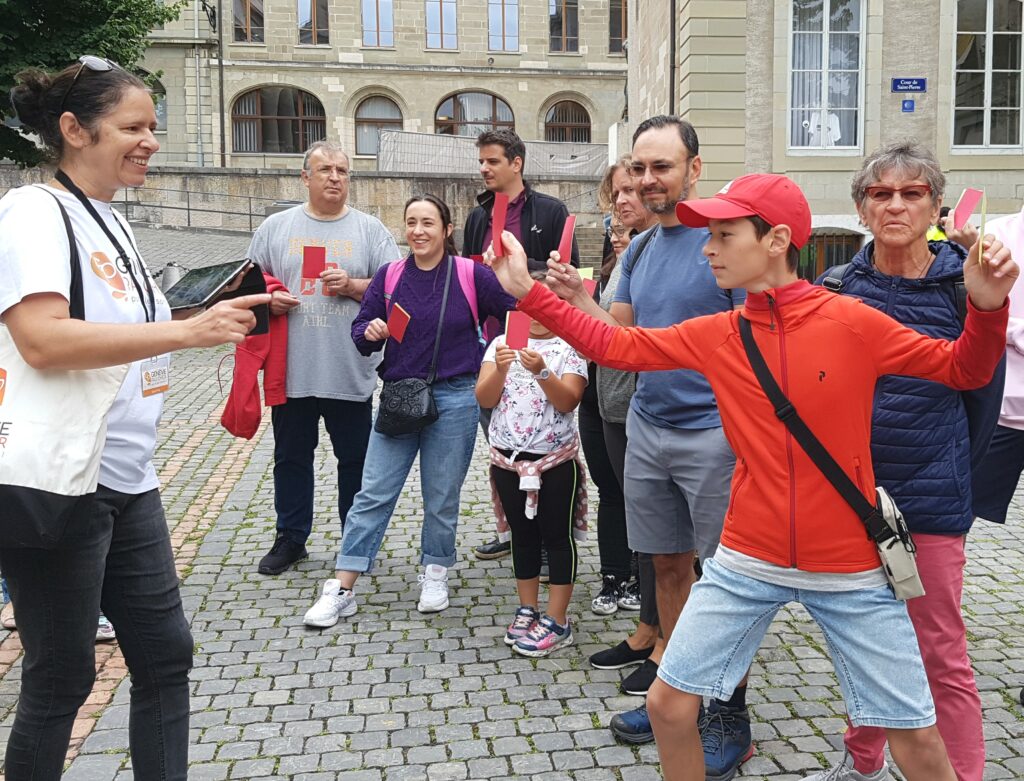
point(443, 210)
point(761, 228)
point(38, 97)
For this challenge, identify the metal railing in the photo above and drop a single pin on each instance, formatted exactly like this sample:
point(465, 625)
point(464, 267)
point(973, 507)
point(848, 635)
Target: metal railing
point(191, 205)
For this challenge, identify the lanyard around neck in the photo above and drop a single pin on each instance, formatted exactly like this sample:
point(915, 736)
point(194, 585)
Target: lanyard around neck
point(123, 257)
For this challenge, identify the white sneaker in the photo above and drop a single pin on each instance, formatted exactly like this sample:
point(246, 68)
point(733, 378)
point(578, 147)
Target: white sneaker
point(105, 630)
point(433, 589)
point(334, 603)
point(845, 771)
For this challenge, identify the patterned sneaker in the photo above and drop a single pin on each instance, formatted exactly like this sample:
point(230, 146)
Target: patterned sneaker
point(544, 638)
point(334, 603)
point(433, 589)
point(607, 602)
point(521, 625)
point(845, 771)
point(725, 737)
point(630, 597)
point(105, 630)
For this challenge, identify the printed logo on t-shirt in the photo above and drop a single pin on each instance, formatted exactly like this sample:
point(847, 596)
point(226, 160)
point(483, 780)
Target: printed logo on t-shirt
point(3, 384)
point(107, 270)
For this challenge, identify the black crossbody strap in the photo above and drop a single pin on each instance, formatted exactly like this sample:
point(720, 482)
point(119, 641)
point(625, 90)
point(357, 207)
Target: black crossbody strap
point(76, 295)
point(440, 322)
point(877, 528)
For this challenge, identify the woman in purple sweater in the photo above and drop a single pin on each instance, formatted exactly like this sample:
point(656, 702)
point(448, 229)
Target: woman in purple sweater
point(445, 446)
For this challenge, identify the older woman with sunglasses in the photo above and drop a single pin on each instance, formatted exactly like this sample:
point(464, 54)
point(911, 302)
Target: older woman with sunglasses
point(114, 554)
point(925, 437)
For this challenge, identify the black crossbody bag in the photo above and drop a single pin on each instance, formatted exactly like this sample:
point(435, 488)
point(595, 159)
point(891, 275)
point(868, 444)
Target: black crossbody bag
point(407, 405)
point(883, 521)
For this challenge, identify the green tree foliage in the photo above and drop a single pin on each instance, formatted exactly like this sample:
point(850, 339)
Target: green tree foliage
point(51, 34)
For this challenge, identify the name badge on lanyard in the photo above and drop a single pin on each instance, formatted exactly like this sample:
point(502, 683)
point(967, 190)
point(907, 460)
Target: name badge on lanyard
point(156, 375)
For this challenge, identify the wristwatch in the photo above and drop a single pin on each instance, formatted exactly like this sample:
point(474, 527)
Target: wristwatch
point(543, 374)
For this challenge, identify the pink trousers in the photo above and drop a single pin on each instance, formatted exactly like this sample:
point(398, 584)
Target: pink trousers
point(943, 639)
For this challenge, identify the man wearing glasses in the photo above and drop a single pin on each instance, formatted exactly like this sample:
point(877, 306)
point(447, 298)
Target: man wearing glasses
point(678, 463)
point(326, 376)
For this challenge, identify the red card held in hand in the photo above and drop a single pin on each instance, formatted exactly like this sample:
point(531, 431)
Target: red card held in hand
point(590, 285)
point(969, 200)
point(565, 245)
point(398, 321)
point(517, 330)
point(498, 214)
point(314, 262)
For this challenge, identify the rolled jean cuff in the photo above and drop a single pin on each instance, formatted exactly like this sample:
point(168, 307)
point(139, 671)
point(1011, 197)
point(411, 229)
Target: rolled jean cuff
point(442, 561)
point(352, 563)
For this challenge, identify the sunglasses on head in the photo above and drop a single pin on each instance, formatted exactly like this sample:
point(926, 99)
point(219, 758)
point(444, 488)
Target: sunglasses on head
point(912, 194)
point(93, 63)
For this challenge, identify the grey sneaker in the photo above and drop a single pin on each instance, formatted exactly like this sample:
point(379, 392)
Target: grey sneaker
point(334, 603)
point(630, 597)
point(607, 602)
point(844, 771)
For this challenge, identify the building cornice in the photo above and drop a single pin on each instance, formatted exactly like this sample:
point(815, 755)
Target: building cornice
point(413, 69)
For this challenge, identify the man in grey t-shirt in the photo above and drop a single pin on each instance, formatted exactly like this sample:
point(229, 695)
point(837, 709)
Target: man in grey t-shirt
point(326, 376)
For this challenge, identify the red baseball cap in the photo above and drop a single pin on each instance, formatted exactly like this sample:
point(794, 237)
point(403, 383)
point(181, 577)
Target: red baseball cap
point(775, 199)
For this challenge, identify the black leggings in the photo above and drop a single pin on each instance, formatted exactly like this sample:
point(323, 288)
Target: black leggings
point(551, 528)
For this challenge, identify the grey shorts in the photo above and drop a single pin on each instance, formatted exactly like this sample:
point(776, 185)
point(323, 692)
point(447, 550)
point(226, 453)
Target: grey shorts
point(677, 487)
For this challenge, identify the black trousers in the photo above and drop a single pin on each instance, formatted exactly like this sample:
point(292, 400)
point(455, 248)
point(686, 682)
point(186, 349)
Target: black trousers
point(550, 530)
point(117, 557)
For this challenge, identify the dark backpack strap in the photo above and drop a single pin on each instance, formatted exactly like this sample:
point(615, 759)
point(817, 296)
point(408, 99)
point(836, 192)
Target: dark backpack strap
point(877, 528)
point(76, 295)
point(833, 279)
point(960, 291)
point(641, 246)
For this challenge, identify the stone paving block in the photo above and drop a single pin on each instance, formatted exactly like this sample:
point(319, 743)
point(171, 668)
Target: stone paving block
point(96, 768)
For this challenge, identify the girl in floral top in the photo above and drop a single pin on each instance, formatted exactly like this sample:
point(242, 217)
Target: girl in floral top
point(535, 470)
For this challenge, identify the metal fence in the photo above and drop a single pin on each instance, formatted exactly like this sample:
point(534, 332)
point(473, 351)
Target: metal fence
point(192, 209)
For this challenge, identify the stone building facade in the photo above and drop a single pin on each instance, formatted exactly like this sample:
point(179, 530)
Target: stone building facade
point(806, 88)
point(362, 64)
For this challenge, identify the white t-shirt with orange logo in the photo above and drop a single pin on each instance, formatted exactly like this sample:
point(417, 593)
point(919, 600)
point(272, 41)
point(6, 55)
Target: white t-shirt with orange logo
point(34, 257)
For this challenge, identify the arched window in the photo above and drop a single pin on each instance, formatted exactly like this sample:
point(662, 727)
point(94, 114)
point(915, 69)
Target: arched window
point(471, 113)
point(277, 120)
point(160, 104)
point(567, 121)
point(373, 115)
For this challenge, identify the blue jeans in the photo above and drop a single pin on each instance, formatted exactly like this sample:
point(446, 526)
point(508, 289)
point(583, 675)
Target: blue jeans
point(869, 635)
point(445, 448)
point(116, 557)
point(296, 431)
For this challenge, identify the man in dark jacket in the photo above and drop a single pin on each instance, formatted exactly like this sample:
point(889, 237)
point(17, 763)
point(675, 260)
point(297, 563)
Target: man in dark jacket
point(535, 218)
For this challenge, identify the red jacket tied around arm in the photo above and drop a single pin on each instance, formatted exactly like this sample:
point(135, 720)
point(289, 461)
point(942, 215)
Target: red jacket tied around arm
point(268, 352)
point(826, 352)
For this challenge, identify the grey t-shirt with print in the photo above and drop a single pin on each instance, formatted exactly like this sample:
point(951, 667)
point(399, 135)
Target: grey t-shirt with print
point(322, 359)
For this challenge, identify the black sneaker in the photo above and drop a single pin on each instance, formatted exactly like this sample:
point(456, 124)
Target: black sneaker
point(618, 657)
point(282, 555)
point(495, 549)
point(607, 601)
point(641, 679)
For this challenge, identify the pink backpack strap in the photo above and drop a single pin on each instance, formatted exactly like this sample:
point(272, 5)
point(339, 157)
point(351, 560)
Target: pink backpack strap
point(391, 277)
point(467, 281)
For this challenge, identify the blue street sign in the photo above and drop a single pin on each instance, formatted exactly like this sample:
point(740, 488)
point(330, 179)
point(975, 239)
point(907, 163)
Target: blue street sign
point(908, 106)
point(910, 85)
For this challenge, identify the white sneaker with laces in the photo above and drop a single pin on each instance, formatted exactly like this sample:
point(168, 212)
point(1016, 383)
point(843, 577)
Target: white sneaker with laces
point(334, 603)
point(845, 771)
point(105, 630)
point(433, 589)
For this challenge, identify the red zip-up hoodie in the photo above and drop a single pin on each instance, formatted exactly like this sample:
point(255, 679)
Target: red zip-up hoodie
point(826, 352)
point(269, 352)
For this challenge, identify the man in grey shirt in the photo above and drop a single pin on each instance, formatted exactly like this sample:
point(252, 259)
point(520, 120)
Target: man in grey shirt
point(326, 376)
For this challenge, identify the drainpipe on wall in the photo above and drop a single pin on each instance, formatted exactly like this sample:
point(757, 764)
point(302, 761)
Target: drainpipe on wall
point(220, 81)
point(673, 24)
point(199, 91)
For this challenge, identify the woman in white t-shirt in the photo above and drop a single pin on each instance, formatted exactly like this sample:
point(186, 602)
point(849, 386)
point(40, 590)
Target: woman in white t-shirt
point(534, 393)
point(97, 121)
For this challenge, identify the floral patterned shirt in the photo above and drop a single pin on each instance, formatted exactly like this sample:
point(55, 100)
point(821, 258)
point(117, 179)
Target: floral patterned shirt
point(524, 420)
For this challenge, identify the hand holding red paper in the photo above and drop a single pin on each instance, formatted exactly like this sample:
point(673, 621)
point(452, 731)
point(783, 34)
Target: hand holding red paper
point(398, 321)
point(532, 361)
point(969, 200)
point(589, 283)
point(376, 331)
point(513, 271)
point(565, 245)
point(517, 329)
point(504, 357)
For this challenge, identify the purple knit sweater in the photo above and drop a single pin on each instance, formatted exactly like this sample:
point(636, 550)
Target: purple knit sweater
point(419, 293)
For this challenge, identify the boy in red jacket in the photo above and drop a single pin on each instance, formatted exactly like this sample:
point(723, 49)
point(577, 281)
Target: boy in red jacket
point(788, 535)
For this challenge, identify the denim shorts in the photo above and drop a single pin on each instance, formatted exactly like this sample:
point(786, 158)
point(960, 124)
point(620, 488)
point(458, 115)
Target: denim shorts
point(868, 631)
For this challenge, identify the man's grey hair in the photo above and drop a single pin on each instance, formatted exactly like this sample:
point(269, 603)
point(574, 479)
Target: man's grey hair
point(907, 157)
point(328, 147)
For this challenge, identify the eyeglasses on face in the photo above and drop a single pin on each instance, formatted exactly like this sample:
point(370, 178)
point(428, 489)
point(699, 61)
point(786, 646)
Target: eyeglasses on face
point(616, 231)
point(93, 63)
point(911, 194)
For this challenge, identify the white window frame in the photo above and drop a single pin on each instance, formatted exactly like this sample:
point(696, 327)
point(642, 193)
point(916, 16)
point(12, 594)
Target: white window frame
point(985, 148)
point(832, 151)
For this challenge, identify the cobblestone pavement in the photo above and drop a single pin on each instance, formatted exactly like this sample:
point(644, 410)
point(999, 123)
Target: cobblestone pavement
point(393, 694)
